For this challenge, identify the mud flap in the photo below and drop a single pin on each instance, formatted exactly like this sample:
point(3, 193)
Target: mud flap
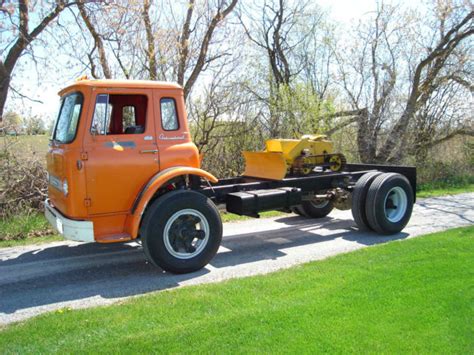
point(265, 165)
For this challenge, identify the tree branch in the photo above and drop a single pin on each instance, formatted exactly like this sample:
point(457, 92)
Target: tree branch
point(218, 17)
point(97, 39)
point(23, 96)
point(183, 49)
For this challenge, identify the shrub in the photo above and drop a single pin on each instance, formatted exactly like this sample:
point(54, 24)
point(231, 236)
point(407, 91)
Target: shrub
point(23, 185)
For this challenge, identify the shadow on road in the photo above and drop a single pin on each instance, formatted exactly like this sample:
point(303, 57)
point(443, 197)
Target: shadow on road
point(298, 231)
point(49, 275)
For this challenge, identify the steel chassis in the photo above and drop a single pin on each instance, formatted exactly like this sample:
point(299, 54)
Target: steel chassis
point(309, 184)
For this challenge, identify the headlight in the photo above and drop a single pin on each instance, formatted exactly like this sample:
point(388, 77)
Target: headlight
point(65, 187)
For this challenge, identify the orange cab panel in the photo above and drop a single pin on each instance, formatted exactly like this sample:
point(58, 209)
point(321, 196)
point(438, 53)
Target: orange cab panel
point(108, 226)
point(66, 181)
point(174, 139)
point(120, 143)
point(66, 188)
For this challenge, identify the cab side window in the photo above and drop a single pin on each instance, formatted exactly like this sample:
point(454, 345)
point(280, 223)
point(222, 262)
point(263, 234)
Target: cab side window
point(119, 114)
point(169, 116)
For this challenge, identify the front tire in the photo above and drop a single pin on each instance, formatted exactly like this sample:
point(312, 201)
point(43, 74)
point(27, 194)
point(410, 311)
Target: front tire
point(389, 203)
point(181, 231)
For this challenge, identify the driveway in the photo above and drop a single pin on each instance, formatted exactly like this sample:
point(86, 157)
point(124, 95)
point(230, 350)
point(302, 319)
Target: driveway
point(38, 279)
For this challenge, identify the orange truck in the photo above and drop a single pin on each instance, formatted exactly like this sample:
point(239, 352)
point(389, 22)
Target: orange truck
point(122, 166)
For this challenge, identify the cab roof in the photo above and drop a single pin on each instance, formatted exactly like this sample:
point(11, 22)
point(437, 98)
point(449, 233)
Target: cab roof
point(109, 83)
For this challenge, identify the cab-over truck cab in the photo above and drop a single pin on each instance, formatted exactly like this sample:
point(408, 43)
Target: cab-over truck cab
point(114, 145)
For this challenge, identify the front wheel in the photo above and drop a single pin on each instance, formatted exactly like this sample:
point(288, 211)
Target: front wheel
point(181, 231)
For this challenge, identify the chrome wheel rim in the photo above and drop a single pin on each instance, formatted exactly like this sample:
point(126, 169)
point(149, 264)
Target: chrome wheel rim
point(186, 234)
point(396, 203)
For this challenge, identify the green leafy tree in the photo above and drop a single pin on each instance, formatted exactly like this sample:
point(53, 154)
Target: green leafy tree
point(34, 125)
point(12, 122)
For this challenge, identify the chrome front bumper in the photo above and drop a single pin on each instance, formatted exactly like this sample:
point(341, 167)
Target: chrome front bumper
point(80, 231)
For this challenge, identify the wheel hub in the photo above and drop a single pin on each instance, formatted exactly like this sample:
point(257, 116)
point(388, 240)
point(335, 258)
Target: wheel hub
point(186, 234)
point(396, 203)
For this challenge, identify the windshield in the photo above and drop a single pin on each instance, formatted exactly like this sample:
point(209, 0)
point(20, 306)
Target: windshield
point(68, 119)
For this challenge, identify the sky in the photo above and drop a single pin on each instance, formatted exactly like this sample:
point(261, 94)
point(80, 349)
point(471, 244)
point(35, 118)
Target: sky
point(343, 11)
point(346, 11)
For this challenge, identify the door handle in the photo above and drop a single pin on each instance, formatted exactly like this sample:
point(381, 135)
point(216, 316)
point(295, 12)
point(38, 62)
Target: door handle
point(149, 151)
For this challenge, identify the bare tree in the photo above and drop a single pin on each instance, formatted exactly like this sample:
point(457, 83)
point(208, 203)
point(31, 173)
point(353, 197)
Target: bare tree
point(24, 36)
point(377, 72)
point(108, 41)
point(98, 43)
point(222, 123)
point(445, 115)
point(282, 31)
point(275, 33)
point(155, 47)
point(223, 9)
point(428, 76)
point(368, 76)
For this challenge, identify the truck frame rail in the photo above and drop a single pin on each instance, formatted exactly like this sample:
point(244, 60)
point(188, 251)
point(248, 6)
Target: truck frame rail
point(308, 184)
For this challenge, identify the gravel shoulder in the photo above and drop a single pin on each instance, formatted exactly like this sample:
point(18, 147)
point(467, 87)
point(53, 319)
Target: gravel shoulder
point(42, 278)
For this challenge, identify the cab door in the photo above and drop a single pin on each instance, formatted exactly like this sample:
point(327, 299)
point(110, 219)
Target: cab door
point(120, 152)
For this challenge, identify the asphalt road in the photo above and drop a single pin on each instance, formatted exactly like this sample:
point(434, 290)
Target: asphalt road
point(38, 279)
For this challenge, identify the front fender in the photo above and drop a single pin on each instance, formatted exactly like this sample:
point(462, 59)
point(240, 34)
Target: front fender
point(155, 183)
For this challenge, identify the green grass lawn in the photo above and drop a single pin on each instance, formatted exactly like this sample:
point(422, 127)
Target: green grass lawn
point(32, 228)
point(413, 296)
point(450, 186)
point(31, 241)
point(442, 190)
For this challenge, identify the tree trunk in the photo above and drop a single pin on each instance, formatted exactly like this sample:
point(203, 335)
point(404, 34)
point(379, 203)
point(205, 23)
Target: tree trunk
point(366, 139)
point(4, 85)
point(220, 15)
point(152, 67)
point(97, 40)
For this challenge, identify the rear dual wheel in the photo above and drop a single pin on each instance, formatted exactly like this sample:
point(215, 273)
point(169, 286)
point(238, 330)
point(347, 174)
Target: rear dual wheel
point(359, 197)
point(382, 202)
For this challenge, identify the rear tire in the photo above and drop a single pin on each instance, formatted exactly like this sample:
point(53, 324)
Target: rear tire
point(181, 231)
point(359, 196)
point(389, 203)
point(313, 209)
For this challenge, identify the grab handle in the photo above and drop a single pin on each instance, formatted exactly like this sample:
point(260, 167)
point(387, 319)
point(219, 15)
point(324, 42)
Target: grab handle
point(149, 151)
